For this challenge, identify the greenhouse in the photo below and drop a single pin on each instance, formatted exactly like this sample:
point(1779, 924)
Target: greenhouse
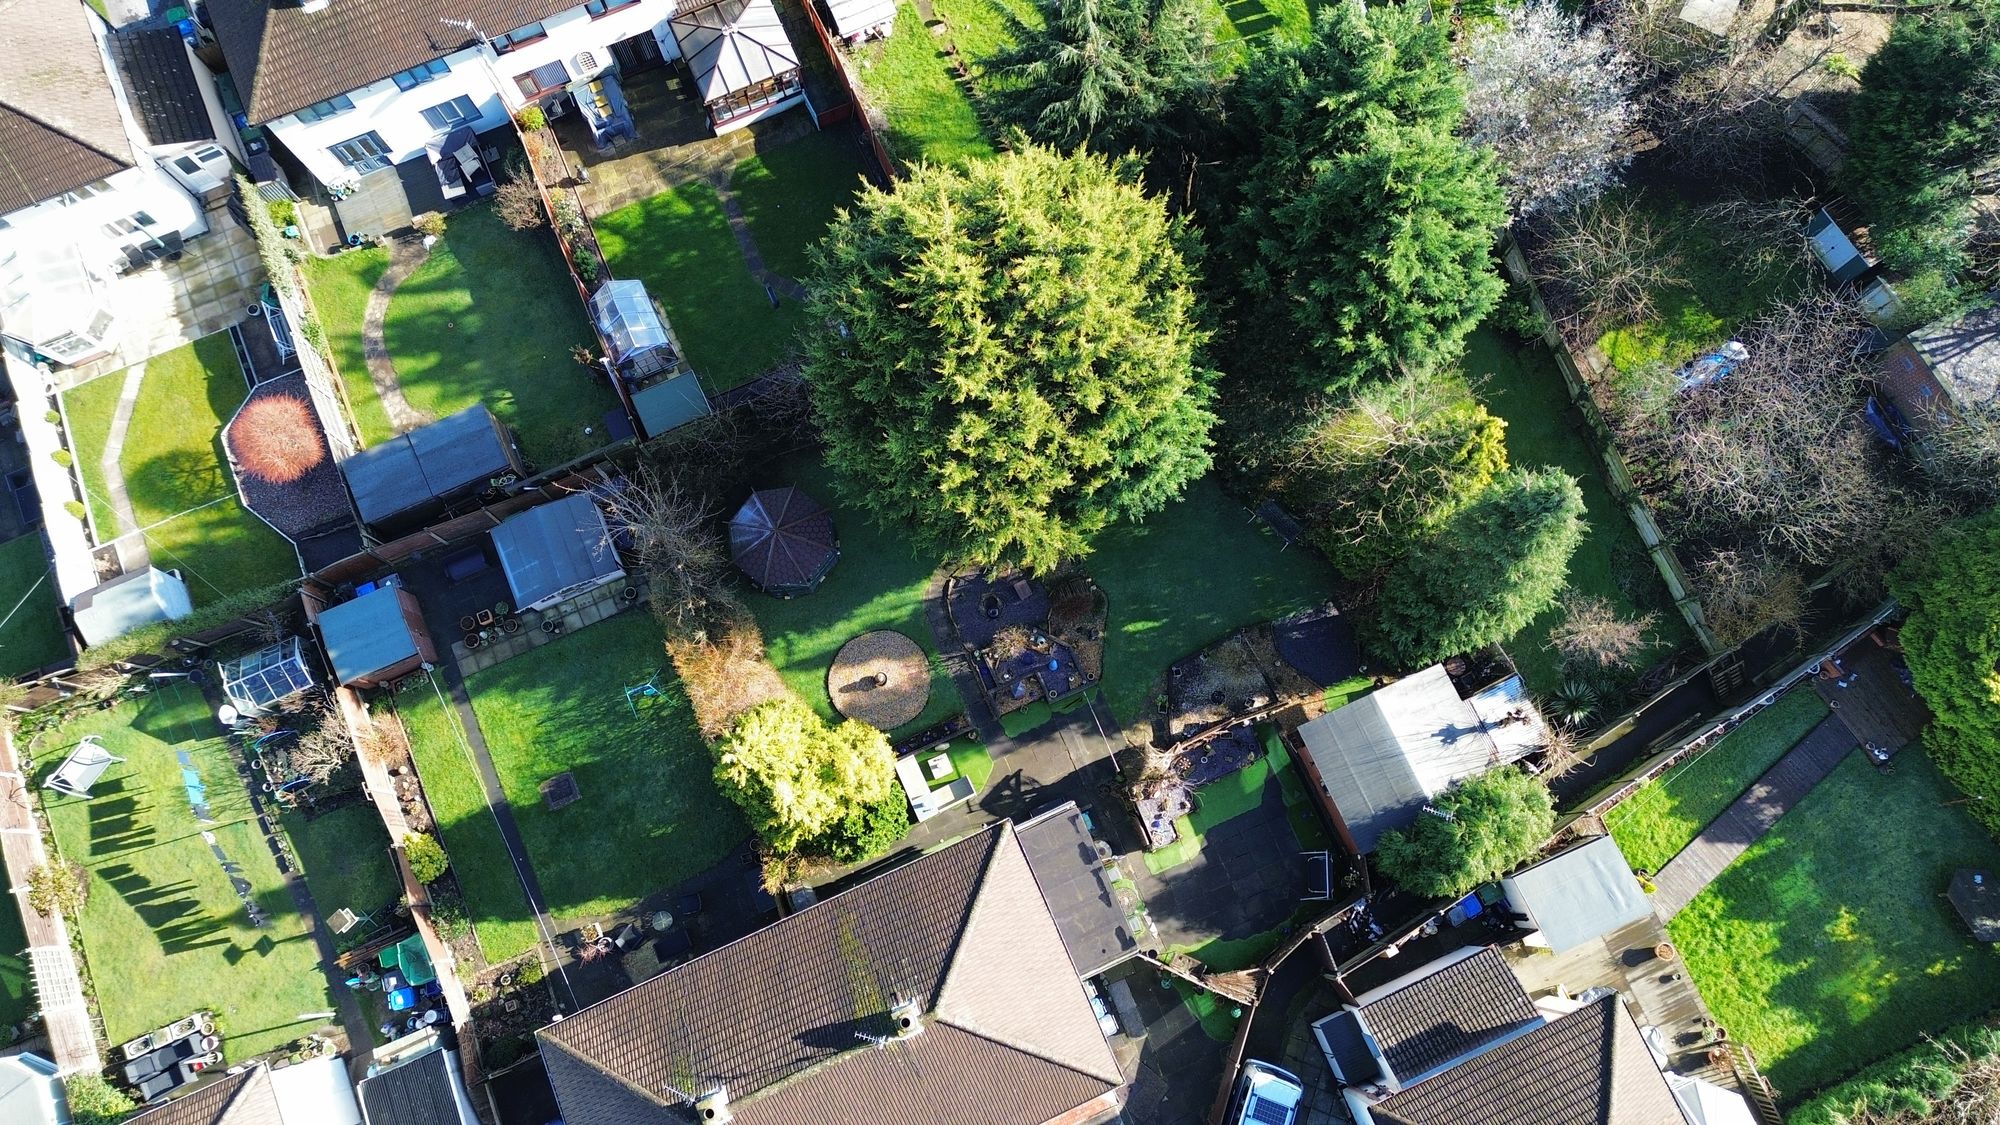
point(256, 683)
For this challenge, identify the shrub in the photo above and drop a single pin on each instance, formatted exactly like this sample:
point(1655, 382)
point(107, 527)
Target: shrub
point(725, 672)
point(588, 266)
point(1474, 832)
point(54, 888)
point(1952, 642)
point(430, 223)
point(62, 457)
point(76, 508)
point(531, 119)
point(866, 831)
point(427, 859)
point(93, 1101)
point(52, 417)
point(276, 439)
point(796, 776)
point(519, 204)
point(284, 213)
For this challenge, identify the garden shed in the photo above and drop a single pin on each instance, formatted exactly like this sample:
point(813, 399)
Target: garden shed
point(744, 65)
point(1577, 895)
point(133, 599)
point(375, 638)
point(1977, 901)
point(407, 481)
point(783, 541)
point(1376, 761)
point(256, 683)
point(855, 20)
point(669, 403)
point(556, 551)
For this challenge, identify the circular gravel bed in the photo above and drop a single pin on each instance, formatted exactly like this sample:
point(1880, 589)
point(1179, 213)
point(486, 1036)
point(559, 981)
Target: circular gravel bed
point(880, 678)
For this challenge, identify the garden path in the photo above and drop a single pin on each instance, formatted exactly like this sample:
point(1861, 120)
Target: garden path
point(111, 476)
point(405, 256)
point(58, 986)
point(753, 258)
point(503, 815)
point(1743, 823)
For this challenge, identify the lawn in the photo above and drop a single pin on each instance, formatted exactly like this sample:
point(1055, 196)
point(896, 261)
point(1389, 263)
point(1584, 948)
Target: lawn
point(790, 193)
point(650, 815)
point(176, 473)
point(1020, 722)
point(340, 286)
point(31, 632)
point(680, 245)
point(344, 853)
point(495, 902)
point(163, 932)
point(490, 317)
point(1719, 291)
point(17, 985)
point(1830, 944)
point(1655, 823)
point(1250, 20)
point(1521, 384)
point(878, 583)
point(908, 78)
point(1184, 579)
point(969, 760)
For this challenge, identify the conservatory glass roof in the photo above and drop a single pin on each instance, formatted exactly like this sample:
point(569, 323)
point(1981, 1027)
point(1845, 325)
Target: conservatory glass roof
point(264, 677)
point(624, 312)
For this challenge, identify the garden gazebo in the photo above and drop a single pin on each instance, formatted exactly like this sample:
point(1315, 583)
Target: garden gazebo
point(783, 541)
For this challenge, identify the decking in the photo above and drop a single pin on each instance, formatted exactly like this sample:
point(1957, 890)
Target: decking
point(1875, 705)
point(1729, 835)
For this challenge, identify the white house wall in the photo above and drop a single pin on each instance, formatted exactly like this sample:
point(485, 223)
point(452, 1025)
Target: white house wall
point(476, 73)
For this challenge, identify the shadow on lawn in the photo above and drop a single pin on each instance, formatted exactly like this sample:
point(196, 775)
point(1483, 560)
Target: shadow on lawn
point(171, 483)
point(171, 911)
point(113, 816)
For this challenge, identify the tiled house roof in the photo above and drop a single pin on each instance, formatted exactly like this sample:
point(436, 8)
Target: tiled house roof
point(236, 1099)
point(1588, 1068)
point(59, 121)
point(778, 1016)
point(284, 58)
point(1430, 1022)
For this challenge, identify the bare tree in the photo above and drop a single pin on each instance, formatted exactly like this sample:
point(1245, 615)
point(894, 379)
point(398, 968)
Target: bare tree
point(1742, 595)
point(671, 532)
point(1603, 262)
point(1969, 1078)
point(1766, 235)
point(518, 202)
point(1592, 632)
point(1553, 101)
point(1959, 452)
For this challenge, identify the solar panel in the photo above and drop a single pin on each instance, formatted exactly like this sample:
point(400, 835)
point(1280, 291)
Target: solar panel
point(1268, 1112)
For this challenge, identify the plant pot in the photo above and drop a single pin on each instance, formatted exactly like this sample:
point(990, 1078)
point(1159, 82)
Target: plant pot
point(1665, 951)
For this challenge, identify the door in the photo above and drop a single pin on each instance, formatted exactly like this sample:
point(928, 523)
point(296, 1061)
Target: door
point(639, 53)
point(364, 153)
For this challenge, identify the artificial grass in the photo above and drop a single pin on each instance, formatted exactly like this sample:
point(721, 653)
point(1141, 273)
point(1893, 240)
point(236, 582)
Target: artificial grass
point(1654, 824)
point(1038, 712)
point(1347, 691)
point(176, 472)
point(879, 583)
point(340, 286)
point(650, 815)
point(490, 317)
point(1720, 289)
point(1184, 579)
point(17, 985)
point(680, 245)
point(344, 854)
point(1522, 385)
point(930, 117)
point(970, 760)
point(495, 902)
point(790, 193)
point(163, 932)
point(1830, 944)
point(32, 634)
point(1236, 793)
point(1216, 1015)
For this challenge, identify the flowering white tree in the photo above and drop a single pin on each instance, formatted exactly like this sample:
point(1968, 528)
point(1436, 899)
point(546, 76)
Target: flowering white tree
point(1553, 102)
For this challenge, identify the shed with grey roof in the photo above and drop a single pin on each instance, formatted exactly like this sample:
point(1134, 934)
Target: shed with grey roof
point(375, 638)
point(412, 478)
point(1577, 895)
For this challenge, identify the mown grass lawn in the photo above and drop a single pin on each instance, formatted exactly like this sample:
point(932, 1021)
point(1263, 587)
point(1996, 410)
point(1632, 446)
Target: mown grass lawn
point(345, 856)
point(908, 77)
point(1184, 579)
point(33, 633)
point(176, 473)
point(878, 583)
point(680, 245)
point(1520, 383)
point(490, 317)
point(1654, 824)
point(340, 286)
point(163, 933)
point(495, 902)
point(1830, 943)
point(650, 815)
point(790, 193)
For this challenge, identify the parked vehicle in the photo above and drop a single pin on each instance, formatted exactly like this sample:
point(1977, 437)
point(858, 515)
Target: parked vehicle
point(1265, 1095)
point(1107, 1021)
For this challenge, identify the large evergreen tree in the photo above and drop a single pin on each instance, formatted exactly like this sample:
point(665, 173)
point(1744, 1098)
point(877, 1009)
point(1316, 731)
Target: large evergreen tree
point(1952, 642)
point(1498, 563)
point(1474, 832)
point(1925, 135)
point(1361, 222)
point(1110, 74)
point(1008, 361)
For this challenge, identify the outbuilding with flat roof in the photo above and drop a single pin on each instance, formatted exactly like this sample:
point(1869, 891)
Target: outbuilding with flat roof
point(375, 638)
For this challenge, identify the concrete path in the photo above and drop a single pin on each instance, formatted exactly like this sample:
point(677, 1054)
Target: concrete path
point(739, 225)
point(1743, 823)
point(58, 986)
point(405, 255)
point(132, 553)
point(503, 812)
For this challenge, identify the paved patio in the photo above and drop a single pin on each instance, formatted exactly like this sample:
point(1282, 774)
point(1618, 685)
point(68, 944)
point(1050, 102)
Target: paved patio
point(1248, 878)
